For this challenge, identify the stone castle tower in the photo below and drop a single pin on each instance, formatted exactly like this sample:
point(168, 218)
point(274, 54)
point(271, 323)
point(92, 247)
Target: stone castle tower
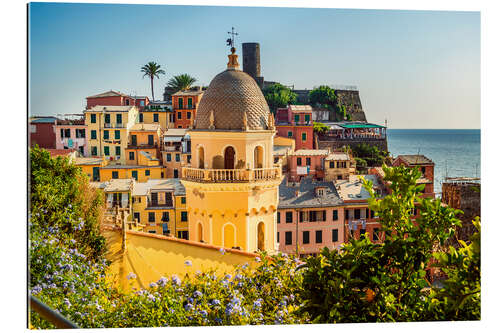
point(251, 61)
point(232, 184)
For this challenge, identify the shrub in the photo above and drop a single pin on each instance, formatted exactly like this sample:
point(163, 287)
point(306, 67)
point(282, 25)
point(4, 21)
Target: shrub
point(365, 282)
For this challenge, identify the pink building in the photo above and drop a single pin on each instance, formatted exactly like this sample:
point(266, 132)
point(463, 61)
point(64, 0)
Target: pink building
point(426, 167)
point(114, 98)
point(296, 122)
point(310, 217)
point(307, 162)
point(71, 133)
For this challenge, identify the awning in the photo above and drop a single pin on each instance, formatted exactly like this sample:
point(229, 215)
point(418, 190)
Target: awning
point(172, 138)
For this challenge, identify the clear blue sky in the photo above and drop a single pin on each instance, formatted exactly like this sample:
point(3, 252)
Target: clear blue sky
point(418, 69)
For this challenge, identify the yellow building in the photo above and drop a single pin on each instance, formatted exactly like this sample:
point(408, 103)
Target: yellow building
point(91, 166)
point(108, 128)
point(175, 153)
point(158, 114)
point(339, 166)
point(160, 205)
point(232, 184)
point(144, 145)
point(140, 173)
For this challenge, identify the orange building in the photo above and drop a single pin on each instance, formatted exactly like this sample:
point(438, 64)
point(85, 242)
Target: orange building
point(185, 104)
point(143, 145)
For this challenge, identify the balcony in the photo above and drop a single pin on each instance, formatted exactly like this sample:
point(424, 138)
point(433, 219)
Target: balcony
point(116, 125)
point(142, 146)
point(231, 175)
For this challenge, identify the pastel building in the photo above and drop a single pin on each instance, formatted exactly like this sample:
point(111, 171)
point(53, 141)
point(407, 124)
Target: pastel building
point(426, 167)
point(185, 104)
point(111, 97)
point(232, 183)
point(140, 173)
point(339, 165)
point(310, 217)
point(176, 151)
point(307, 163)
point(143, 145)
point(160, 205)
point(71, 133)
point(91, 166)
point(108, 130)
point(157, 113)
point(358, 218)
point(42, 132)
point(296, 122)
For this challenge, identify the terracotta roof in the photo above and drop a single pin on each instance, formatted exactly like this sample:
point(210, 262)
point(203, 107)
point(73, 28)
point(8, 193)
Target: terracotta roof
point(110, 93)
point(310, 152)
point(60, 152)
point(300, 108)
point(338, 157)
point(189, 93)
point(229, 95)
point(110, 108)
point(415, 159)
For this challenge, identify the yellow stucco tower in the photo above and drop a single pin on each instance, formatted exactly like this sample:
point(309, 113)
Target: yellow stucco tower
point(232, 182)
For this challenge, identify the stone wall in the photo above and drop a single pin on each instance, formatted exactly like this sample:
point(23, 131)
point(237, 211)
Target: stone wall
point(465, 196)
point(349, 98)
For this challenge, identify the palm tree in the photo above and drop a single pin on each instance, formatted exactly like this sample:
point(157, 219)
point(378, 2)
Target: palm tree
point(152, 70)
point(180, 82)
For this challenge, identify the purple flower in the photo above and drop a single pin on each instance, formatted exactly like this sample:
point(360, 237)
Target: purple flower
point(153, 285)
point(215, 302)
point(228, 276)
point(176, 280)
point(238, 277)
point(258, 259)
point(151, 298)
point(190, 300)
point(188, 263)
point(131, 276)
point(197, 294)
point(222, 251)
point(257, 303)
point(36, 289)
point(162, 281)
point(188, 307)
point(66, 301)
point(203, 313)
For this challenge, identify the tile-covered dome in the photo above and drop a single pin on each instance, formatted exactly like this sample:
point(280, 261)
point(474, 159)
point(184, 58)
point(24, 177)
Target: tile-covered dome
point(229, 96)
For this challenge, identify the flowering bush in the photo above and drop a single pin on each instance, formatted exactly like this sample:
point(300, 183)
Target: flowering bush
point(363, 282)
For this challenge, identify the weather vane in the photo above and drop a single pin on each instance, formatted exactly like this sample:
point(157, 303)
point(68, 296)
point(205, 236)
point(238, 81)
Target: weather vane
point(230, 41)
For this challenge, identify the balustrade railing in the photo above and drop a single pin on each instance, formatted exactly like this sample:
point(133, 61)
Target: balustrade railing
point(231, 175)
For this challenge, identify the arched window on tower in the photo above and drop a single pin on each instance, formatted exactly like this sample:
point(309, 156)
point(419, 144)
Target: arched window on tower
point(229, 158)
point(258, 157)
point(201, 158)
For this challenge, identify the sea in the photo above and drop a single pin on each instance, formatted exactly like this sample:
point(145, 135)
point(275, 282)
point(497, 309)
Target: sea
point(455, 152)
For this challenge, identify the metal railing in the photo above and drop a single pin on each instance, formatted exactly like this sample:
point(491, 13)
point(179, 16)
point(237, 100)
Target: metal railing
point(231, 175)
point(50, 315)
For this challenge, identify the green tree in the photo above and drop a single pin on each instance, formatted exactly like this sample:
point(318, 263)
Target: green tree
point(324, 96)
point(152, 70)
point(179, 83)
point(320, 127)
point(279, 96)
point(367, 282)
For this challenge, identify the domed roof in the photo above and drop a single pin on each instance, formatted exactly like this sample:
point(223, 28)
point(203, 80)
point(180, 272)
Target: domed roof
point(229, 95)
